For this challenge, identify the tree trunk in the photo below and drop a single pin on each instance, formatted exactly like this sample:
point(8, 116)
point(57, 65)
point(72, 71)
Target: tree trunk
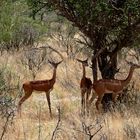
point(94, 67)
point(107, 63)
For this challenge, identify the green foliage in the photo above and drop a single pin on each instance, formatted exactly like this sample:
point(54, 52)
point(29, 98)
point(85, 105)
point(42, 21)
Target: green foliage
point(2, 81)
point(9, 89)
point(16, 26)
point(94, 16)
point(6, 80)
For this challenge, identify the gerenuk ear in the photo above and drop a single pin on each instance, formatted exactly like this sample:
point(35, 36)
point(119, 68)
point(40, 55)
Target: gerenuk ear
point(132, 64)
point(59, 62)
point(50, 62)
point(86, 60)
point(79, 60)
point(82, 61)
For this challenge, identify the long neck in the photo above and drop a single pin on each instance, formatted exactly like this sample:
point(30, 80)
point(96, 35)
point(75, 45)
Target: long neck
point(84, 71)
point(54, 75)
point(127, 80)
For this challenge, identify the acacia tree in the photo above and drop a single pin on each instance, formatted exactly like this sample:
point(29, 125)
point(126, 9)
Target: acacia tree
point(110, 25)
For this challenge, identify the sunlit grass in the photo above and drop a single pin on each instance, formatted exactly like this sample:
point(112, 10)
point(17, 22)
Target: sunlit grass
point(35, 122)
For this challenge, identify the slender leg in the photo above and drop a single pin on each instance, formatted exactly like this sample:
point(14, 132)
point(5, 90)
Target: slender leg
point(87, 100)
point(120, 96)
point(98, 102)
point(92, 98)
point(83, 101)
point(114, 95)
point(25, 97)
point(49, 102)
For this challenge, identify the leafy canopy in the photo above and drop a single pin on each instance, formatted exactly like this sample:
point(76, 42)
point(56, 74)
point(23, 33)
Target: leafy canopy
point(112, 22)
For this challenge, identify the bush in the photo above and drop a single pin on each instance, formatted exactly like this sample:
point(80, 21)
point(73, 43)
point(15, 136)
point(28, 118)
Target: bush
point(17, 28)
point(7, 101)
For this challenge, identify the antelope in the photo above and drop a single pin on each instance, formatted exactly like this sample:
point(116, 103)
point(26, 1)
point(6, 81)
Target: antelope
point(40, 85)
point(85, 86)
point(113, 86)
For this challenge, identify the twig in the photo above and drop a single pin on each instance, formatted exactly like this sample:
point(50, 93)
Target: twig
point(87, 130)
point(5, 126)
point(57, 125)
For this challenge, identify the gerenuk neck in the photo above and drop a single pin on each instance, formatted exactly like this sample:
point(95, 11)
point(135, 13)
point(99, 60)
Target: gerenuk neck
point(84, 71)
point(54, 75)
point(129, 77)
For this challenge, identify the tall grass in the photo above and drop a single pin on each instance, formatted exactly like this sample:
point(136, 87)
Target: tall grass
point(122, 123)
point(7, 99)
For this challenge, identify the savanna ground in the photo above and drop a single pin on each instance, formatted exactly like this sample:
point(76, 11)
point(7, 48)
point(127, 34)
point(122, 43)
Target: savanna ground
point(122, 123)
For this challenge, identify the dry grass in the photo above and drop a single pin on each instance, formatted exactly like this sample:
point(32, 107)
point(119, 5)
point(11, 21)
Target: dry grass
point(35, 123)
